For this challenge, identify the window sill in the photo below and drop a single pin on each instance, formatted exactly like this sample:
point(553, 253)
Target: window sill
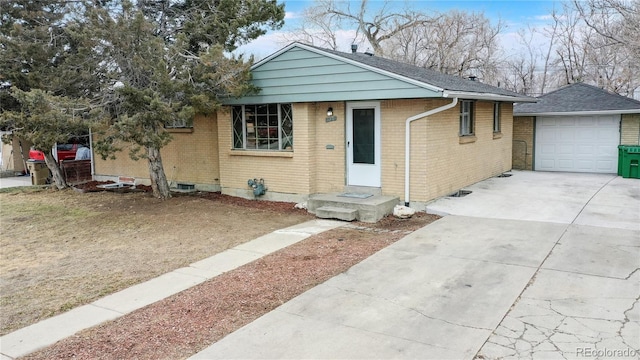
point(497, 135)
point(179, 130)
point(281, 154)
point(467, 139)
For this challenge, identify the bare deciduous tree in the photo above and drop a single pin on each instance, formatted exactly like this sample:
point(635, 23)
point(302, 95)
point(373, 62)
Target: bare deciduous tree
point(572, 46)
point(593, 41)
point(615, 46)
point(317, 28)
point(575, 52)
point(617, 21)
point(519, 70)
point(457, 43)
point(374, 27)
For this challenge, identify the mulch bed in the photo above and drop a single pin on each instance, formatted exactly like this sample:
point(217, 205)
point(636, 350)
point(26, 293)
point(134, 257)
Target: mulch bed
point(92, 186)
point(281, 207)
point(188, 322)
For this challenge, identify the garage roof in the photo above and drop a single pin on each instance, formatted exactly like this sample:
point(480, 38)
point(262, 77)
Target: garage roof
point(578, 99)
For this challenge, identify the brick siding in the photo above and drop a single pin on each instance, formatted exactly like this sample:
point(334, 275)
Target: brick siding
point(440, 163)
point(523, 129)
point(190, 157)
point(630, 129)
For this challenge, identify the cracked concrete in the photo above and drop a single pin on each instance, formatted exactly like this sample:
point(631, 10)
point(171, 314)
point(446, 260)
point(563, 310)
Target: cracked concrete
point(535, 266)
point(583, 302)
point(562, 314)
point(437, 293)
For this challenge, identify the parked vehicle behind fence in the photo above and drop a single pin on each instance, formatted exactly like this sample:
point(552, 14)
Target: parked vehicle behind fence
point(65, 152)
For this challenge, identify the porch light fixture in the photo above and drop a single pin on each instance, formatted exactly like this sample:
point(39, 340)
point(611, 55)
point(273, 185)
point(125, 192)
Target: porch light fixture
point(330, 111)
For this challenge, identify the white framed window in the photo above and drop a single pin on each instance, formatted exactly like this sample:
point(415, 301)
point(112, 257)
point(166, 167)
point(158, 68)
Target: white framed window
point(466, 118)
point(178, 124)
point(262, 127)
point(496, 117)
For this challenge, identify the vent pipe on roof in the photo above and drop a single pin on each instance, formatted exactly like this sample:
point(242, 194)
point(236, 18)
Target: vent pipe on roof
point(354, 48)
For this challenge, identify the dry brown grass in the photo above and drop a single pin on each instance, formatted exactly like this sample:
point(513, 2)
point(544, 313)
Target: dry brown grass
point(61, 249)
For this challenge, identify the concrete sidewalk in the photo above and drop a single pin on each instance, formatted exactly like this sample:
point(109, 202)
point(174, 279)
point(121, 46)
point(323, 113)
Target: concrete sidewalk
point(49, 331)
point(15, 181)
point(512, 273)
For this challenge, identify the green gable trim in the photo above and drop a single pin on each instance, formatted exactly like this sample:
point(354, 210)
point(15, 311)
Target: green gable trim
point(300, 75)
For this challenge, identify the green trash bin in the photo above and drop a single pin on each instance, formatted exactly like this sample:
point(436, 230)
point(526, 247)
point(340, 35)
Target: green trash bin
point(620, 150)
point(629, 161)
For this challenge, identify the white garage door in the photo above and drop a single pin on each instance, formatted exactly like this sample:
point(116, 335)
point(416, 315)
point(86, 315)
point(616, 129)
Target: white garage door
point(577, 143)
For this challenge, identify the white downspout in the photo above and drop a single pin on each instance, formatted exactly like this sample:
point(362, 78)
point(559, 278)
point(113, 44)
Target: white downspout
point(407, 142)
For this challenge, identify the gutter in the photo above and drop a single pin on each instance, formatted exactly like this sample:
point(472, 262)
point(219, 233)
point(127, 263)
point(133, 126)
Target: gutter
point(407, 142)
point(488, 96)
point(586, 112)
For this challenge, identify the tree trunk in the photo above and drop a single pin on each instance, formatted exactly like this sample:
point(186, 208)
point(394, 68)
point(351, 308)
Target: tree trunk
point(56, 173)
point(159, 182)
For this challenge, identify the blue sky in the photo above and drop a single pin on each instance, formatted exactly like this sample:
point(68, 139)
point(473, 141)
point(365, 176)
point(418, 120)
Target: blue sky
point(515, 10)
point(516, 14)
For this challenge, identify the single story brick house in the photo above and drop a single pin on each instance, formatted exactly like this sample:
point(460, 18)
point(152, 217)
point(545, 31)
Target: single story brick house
point(576, 128)
point(326, 120)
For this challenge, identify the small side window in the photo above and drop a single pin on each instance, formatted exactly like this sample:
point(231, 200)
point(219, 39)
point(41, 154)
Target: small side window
point(466, 118)
point(496, 118)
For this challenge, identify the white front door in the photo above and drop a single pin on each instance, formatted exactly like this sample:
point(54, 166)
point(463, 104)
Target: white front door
point(363, 143)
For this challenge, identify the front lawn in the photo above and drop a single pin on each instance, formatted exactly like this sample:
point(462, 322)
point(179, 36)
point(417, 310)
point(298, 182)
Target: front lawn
point(62, 249)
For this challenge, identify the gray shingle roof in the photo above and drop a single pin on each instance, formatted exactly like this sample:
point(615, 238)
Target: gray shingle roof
point(577, 97)
point(427, 76)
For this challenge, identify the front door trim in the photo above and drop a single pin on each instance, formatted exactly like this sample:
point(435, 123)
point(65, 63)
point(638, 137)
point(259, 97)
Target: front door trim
point(363, 174)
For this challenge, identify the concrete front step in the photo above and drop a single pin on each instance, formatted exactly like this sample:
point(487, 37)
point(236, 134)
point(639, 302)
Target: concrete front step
point(333, 212)
point(370, 209)
point(363, 189)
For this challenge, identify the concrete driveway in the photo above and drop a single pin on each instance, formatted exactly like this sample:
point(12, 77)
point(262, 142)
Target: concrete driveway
point(537, 265)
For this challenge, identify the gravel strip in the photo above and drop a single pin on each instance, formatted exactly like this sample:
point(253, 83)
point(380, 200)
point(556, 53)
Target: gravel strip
point(188, 322)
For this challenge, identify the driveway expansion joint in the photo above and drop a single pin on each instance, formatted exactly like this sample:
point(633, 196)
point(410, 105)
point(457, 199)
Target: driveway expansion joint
point(594, 275)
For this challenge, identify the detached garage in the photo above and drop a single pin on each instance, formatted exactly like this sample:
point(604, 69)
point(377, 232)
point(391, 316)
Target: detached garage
point(574, 129)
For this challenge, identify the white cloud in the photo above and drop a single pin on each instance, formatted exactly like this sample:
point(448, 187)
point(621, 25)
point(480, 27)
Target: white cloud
point(544, 17)
point(263, 46)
